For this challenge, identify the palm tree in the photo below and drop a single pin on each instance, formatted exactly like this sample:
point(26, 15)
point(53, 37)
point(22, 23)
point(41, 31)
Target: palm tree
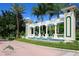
point(39, 11)
point(49, 9)
point(17, 9)
point(57, 8)
point(42, 10)
point(36, 12)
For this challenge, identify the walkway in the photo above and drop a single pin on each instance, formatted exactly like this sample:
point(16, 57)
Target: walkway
point(26, 49)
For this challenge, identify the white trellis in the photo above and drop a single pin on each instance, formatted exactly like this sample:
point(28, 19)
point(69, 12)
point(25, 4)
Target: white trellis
point(69, 26)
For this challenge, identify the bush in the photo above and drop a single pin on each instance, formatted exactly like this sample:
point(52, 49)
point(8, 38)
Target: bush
point(77, 38)
point(22, 33)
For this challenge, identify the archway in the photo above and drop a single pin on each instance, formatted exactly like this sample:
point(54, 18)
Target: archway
point(51, 30)
point(36, 31)
point(43, 30)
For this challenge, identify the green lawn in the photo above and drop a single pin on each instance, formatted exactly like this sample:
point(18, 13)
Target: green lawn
point(69, 45)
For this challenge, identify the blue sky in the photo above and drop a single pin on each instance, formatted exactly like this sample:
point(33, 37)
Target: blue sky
point(27, 6)
point(27, 12)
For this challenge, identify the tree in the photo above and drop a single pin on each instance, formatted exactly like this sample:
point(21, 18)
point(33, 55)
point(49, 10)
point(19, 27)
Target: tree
point(7, 23)
point(57, 8)
point(39, 11)
point(17, 10)
point(48, 7)
point(36, 12)
point(42, 10)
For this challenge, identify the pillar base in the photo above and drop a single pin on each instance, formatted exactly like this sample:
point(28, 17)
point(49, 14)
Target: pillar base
point(39, 35)
point(55, 35)
point(34, 35)
point(68, 40)
point(46, 35)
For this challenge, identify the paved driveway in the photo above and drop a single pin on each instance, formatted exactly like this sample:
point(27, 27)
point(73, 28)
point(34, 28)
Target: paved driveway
point(26, 49)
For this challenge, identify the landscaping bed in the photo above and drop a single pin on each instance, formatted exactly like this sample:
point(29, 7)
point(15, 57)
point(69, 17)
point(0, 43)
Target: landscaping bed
point(64, 45)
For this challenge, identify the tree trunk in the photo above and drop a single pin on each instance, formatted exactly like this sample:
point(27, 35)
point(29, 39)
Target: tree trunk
point(38, 19)
point(50, 25)
point(17, 31)
point(42, 26)
point(49, 17)
point(58, 15)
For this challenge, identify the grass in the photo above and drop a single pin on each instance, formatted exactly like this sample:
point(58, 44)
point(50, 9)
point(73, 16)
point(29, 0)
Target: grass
point(69, 45)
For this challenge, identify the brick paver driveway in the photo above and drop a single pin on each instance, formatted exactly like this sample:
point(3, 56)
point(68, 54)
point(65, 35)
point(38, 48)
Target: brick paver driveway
point(26, 49)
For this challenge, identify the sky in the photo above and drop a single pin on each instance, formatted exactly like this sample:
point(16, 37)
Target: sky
point(28, 9)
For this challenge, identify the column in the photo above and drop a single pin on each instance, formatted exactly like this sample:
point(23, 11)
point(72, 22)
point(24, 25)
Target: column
point(55, 35)
point(33, 31)
point(46, 35)
point(26, 31)
point(29, 31)
point(58, 29)
point(39, 32)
